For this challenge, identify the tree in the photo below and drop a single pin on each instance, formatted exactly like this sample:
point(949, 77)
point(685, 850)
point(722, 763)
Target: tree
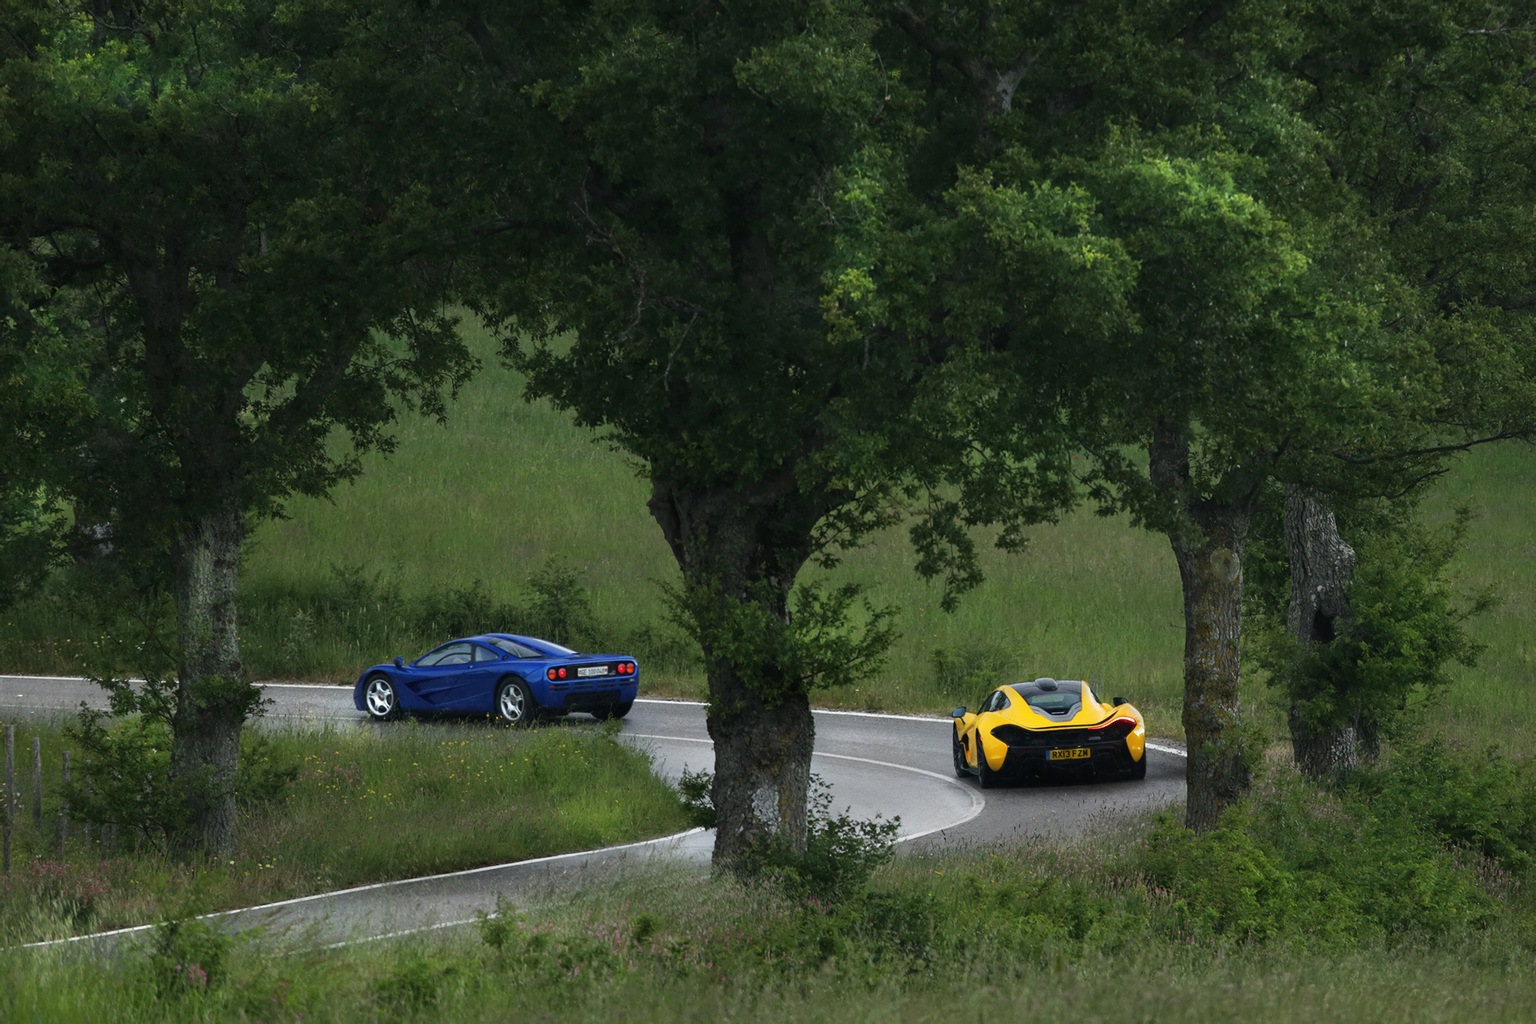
point(1173, 125)
point(206, 184)
point(1425, 113)
point(1269, 334)
point(41, 410)
point(698, 299)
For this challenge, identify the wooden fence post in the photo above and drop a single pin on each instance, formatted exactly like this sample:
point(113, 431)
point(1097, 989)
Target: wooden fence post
point(63, 832)
point(10, 796)
point(37, 784)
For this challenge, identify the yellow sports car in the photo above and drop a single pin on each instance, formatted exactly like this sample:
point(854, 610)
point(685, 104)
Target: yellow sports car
point(1049, 728)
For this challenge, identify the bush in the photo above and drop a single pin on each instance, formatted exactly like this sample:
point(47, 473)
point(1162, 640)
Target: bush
point(462, 611)
point(1482, 802)
point(841, 853)
point(1295, 863)
point(186, 956)
point(974, 669)
point(561, 609)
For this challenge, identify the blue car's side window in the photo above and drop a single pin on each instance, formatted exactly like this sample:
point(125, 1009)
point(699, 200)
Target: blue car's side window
point(485, 654)
point(448, 654)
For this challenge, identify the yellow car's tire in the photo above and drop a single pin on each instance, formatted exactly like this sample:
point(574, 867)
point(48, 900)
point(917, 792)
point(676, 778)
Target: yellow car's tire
point(961, 771)
point(1139, 769)
point(984, 774)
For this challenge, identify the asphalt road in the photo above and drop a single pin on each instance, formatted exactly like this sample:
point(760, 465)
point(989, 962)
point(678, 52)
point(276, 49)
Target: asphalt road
point(893, 766)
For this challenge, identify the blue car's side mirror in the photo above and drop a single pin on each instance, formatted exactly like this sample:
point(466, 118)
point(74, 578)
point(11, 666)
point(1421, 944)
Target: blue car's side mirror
point(399, 662)
point(959, 712)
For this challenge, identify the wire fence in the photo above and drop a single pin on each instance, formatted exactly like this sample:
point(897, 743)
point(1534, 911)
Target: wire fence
point(62, 824)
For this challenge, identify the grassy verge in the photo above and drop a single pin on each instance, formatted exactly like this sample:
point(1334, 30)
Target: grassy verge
point(453, 979)
point(404, 800)
point(1283, 914)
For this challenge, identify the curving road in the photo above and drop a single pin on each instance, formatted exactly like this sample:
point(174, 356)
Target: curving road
point(890, 765)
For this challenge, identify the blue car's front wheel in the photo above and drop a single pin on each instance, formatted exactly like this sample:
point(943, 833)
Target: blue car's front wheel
point(380, 698)
point(514, 703)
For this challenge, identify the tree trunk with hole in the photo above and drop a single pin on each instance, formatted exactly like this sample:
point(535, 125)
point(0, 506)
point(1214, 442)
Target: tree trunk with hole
point(213, 697)
point(1208, 538)
point(1322, 565)
point(739, 551)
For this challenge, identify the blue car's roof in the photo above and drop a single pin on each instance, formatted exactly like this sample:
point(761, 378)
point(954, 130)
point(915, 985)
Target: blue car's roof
point(546, 646)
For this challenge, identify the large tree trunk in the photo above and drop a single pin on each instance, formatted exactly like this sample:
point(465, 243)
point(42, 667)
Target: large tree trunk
point(739, 552)
point(213, 697)
point(1207, 538)
point(1322, 565)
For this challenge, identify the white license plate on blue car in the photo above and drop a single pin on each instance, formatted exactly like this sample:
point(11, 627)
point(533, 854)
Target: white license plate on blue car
point(591, 670)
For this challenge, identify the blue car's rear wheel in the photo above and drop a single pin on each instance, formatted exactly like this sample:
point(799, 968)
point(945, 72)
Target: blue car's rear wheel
point(380, 698)
point(514, 703)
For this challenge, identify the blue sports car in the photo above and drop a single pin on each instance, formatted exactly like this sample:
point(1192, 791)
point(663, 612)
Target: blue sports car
point(517, 678)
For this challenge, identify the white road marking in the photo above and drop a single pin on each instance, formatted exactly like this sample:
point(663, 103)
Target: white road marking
point(376, 885)
point(978, 803)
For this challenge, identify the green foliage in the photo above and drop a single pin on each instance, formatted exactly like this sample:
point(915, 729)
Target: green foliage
point(461, 611)
point(974, 668)
point(123, 775)
point(1296, 864)
point(561, 609)
point(814, 642)
point(414, 985)
point(1389, 662)
point(267, 771)
point(186, 956)
point(1475, 800)
point(693, 787)
point(841, 853)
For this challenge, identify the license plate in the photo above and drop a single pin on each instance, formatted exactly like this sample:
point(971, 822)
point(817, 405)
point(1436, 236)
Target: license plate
point(1074, 754)
point(591, 670)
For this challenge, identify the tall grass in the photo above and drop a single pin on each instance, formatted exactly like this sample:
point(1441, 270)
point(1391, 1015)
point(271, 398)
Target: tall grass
point(395, 801)
point(1495, 702)
point(1149, 924)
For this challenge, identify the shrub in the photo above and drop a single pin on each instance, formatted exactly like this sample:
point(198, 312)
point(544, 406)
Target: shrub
point(974, 669)
point(1480, 801)
point(1296, 863)
point(414, 985)
point(186, 956)
point(841, 853)
point(561, 609)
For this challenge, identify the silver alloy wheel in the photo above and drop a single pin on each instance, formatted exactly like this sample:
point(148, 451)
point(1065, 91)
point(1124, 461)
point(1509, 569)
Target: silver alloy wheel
point(512, 702)
point(380, 697)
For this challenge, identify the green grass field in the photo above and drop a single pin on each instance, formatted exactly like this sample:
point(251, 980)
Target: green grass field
point(446, 532)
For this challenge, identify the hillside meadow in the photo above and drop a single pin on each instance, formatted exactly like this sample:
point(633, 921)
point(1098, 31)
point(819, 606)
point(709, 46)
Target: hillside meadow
point(444, 536)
